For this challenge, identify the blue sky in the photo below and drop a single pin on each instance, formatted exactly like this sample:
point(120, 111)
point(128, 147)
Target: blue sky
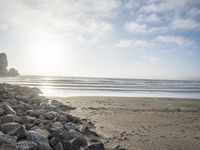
point(107, 38)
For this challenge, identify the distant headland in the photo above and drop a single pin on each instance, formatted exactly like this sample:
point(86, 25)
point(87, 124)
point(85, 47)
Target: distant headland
point(4, 72)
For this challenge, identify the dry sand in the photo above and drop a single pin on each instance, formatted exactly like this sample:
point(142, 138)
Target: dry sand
point(142, 123)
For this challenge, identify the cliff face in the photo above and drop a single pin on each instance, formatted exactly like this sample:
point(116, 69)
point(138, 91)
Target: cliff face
point(3, 67)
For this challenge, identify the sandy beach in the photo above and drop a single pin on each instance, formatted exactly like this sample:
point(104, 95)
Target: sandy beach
point(142, 123)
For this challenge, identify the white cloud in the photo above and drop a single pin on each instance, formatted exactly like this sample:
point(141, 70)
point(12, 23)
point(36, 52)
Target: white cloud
point(131, 43)
point(181, 23)
point(178, 40)
point(135, 27)
point(152, 59)
point(149, 18)
point(86, 18)
point(164, 6)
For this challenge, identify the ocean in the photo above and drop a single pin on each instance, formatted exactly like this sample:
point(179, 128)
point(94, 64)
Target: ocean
point(82, 86)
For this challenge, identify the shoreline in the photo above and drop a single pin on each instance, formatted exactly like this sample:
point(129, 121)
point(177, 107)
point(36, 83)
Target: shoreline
point(140, 122)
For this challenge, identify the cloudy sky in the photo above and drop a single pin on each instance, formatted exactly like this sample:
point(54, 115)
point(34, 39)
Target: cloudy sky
point(108, 38)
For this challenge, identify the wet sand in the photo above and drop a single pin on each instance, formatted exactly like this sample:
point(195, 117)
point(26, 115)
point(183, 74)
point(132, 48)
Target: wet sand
point(142, 123)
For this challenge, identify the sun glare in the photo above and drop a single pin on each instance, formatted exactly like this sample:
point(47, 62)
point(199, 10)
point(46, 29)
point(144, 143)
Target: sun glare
point(47, 54)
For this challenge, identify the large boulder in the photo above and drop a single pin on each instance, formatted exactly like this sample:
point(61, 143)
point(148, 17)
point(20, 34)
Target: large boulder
point(3, 64)
point(3, 67)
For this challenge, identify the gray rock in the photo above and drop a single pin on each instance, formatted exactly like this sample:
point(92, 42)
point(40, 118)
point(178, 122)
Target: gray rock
point(28, 119)
point(9, 118)
point(79, 141)
point(8, 147)
point(62, 134)
point(5, 128)
point(3, 64)
point(2, 111)
point(75, 133)
point(35, 113)
point(21, 132)
point(50, 115)
point(56, 103)
point(118, 147)
point(56, 126)
point(78, 138)
point(6, 139)
point(26, 145)
point(65, 107)
point(28, 126)
point(58, 146)
point(43, 132)
point(36, 100)
point(38, 122)
point(41, 117)
point(63, 118)
point(55, 140)
point(96, 146)
point(70, 126)
point(44, 146)
point(36, 137)
point(9, 110)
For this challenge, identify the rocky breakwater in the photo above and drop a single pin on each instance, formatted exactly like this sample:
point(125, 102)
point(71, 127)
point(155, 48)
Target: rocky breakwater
point(32, 122)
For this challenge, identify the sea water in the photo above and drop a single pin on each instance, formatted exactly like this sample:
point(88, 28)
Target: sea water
point(82, 86)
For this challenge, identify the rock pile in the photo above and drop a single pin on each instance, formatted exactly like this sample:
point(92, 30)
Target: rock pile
point(3, 67)
point(32, 122)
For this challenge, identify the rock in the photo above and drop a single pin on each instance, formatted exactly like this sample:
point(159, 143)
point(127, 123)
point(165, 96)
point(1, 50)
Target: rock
point(43, 132)
point(38, 122)
point(70, 126)
point(78, 138)
point(62, 134)
point(44, 146)
point(79, 141)
point(58, 146)
point(28, 119)
point(36, 137)
point(20, 112)
point(2, 111)
point(28, 126)
point(54, 141)
point(36, 91)
point(56, 126)
point(26, 145)
point(96, 146)
point(50, 115)
point(35, 113)
point(21, 132)
point(36, 101)
point(8, 147)
point(5, 128)
point(118, 147)
point(56, 103)
point(67, 146)
point(73, 119)
point(41, 117)
point(3, 67)
point(13, 72)
point(6, 139)
point(9, 118)
point(86, 130)
point(65, 107)
point(9, 110)
point(3, 64)
point(63, 118)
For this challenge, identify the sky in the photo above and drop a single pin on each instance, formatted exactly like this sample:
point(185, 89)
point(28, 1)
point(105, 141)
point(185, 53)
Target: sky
point(102, 38)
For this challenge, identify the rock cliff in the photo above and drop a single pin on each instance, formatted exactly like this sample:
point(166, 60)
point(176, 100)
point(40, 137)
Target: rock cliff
point(3, 67)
